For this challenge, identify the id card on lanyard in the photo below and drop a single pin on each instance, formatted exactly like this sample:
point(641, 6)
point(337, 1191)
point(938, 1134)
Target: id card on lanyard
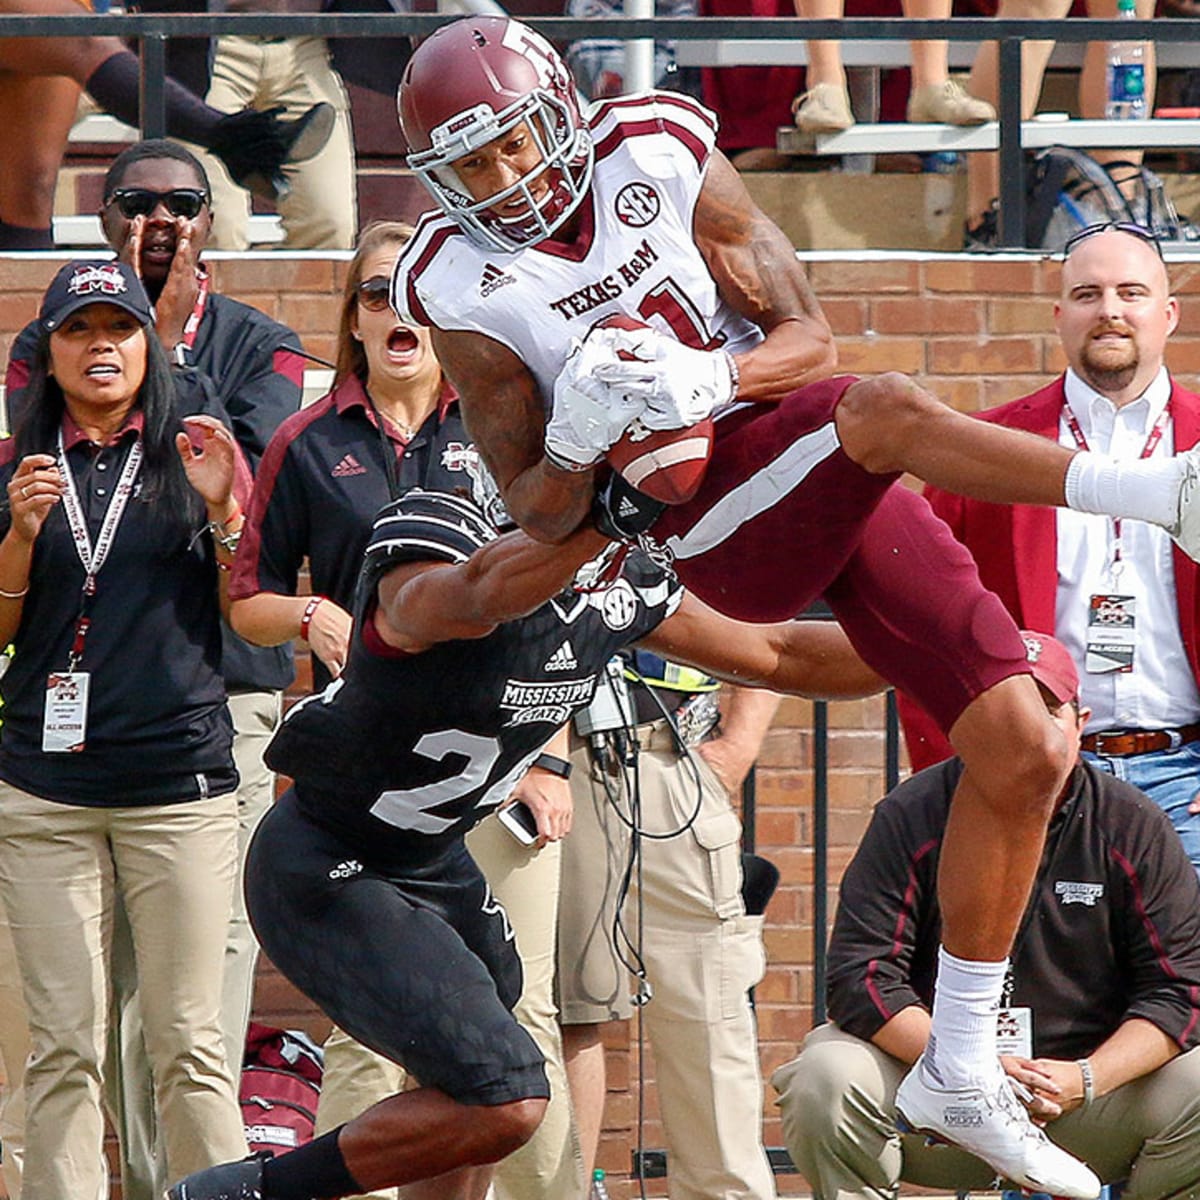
point(1112, 616)
point(64, 719)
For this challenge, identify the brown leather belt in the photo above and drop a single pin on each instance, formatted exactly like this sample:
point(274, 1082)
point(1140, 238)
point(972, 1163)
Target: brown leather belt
point(1117, 743)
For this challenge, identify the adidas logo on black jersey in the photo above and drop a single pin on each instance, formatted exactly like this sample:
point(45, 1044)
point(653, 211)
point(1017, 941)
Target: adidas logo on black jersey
point(563, 659)
point(349, 465)
point(627, 508)
point(494, 279)
point(345, 869)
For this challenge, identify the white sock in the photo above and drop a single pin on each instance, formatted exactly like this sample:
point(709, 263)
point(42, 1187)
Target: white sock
point(962, 1037)
point(1144, 489)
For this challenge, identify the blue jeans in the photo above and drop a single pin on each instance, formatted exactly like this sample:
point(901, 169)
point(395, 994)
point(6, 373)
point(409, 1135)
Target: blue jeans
point(1171, 778)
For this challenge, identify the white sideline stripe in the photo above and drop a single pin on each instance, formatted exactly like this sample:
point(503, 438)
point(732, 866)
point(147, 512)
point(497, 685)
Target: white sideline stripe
point(665, 457)
point(762, 491)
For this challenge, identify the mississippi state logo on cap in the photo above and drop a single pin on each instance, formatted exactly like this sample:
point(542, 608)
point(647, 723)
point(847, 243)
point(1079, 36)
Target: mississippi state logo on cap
point(87, 279)
point(81, 283)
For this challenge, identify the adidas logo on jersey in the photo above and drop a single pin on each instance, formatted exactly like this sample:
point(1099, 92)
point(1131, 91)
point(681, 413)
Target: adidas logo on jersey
point(627, 508)
point(563, 659)
point(345, 869)
point(349, 465)
point(494, 279)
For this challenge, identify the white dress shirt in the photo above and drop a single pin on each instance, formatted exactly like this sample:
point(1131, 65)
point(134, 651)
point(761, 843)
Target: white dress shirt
point(1160, 692)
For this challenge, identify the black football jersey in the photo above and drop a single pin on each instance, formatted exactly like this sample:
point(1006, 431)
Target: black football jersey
point(405, 753)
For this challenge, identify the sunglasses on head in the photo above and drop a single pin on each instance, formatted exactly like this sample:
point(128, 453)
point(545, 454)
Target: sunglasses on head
point(374, 294)
point(1137, 231)
point(141, 202)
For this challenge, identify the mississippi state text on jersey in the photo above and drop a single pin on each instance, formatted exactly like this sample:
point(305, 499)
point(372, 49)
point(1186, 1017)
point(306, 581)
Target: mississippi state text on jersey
point(406, 752)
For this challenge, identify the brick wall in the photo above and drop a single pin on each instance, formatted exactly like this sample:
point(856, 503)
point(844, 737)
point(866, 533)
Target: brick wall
point(977, 331)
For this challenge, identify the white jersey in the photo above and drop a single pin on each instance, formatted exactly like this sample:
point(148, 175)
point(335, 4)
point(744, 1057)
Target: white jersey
point(635, 253)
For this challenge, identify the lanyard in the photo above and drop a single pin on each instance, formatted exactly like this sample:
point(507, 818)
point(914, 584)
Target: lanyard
point(192, 324)
point(1152, 440)
point(94, 557)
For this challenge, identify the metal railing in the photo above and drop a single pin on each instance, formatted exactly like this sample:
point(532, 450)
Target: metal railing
point(152, 31)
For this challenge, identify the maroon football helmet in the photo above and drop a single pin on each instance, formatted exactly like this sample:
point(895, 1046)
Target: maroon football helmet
point(472, 82)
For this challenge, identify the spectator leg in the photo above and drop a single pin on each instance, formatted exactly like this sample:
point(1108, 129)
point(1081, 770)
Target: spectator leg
point(526, 881)
point(837, 1105)
point(929, 58)
point(824, 58)
point(128, 1081)
point(177, 865)
point(38, 113)
point(702, 955)
point(353, 1080)
point(255, 718)
point(56, 880)
point(583, 1055)
point(321, 211)
point(14, 1050)
point(983, 169)
point(236, 73)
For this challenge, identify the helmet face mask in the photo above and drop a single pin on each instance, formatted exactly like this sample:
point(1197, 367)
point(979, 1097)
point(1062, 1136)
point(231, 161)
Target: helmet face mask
point(506, 76)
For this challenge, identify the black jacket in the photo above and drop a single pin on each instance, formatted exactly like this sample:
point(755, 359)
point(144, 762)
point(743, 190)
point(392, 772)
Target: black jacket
point(1112, 930)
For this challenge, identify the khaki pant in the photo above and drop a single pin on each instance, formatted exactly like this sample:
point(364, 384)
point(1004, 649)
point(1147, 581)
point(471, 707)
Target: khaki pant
point(255, 718)
point(526, 882)
point(837, 1103)
point(321, 210)
point(702, 954)
point(61, 871)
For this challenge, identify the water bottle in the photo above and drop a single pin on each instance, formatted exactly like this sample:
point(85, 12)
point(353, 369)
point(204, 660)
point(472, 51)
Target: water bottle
point(599, 1191)
point(1126, 73)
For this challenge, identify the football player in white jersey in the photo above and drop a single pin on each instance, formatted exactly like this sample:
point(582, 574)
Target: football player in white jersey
point(551, 222)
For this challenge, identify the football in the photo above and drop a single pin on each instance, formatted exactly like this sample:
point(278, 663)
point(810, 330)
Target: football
point(667, 464)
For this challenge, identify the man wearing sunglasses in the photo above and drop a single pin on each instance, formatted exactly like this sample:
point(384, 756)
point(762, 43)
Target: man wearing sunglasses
point(157, 216)
point(1116, 593)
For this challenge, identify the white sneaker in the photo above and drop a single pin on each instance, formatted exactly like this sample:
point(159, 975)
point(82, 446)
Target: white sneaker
point(991, 1123)
point(1186, 530)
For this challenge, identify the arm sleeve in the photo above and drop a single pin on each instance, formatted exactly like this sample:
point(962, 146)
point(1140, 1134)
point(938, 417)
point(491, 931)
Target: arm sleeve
point(259, 404)
point(276, 535)
point(16, 375)
point(1161, 925)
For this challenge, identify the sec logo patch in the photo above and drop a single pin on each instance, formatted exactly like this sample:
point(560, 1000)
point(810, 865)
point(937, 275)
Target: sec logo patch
point(618, 605)
point(637, 204)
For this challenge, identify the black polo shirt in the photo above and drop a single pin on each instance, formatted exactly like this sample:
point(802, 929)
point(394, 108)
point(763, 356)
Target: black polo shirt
point(158, 728)
point(321, 483)
point(255, 366)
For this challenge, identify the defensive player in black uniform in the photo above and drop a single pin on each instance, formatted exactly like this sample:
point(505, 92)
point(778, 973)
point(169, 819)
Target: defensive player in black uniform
point(358, 882)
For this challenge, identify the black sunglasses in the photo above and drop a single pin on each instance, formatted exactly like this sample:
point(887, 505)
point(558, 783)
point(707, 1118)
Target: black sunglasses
point(141, 202)
point(1137, 231)
point(374, 294)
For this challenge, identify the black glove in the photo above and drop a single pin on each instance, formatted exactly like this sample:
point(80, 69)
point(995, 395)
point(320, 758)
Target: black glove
point(622, 513)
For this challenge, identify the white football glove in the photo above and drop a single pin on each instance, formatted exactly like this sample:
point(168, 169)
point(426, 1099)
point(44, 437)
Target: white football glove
point(679, 385)
point(588, 415)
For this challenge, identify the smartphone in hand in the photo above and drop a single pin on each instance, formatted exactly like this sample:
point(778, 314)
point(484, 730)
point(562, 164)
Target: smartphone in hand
point(519, 820)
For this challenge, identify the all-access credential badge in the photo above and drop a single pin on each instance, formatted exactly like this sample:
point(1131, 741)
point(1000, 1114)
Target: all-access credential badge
point(1111, 634)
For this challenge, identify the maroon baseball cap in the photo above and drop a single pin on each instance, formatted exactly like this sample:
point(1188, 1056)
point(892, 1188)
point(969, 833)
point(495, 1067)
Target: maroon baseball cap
point(1052, 665)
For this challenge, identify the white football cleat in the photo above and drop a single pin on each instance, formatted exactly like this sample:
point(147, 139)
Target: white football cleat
point(991, 1123)
point(1186, 530)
